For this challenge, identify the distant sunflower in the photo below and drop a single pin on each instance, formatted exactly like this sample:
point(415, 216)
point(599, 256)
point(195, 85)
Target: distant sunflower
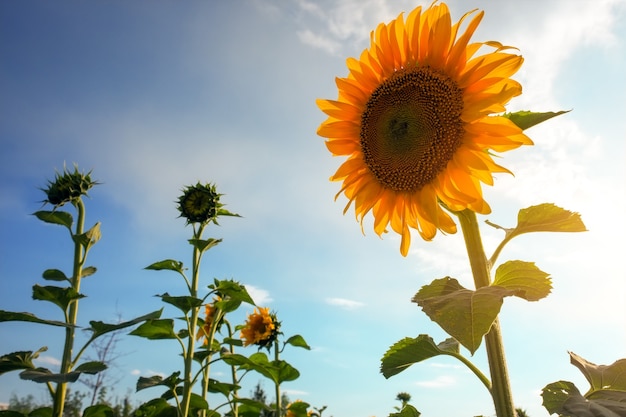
point(261, 328)
point(415, 118)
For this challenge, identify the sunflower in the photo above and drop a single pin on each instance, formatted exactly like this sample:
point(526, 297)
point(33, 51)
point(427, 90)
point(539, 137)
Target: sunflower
point(417, 119)
point(211, 311)
point(260, 328)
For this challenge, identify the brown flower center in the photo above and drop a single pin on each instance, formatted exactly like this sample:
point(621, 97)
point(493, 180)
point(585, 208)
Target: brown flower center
point(411, 128)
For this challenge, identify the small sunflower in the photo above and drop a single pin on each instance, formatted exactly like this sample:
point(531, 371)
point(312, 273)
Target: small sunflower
point(210, 313)
point(261, 328)
point(415, 117)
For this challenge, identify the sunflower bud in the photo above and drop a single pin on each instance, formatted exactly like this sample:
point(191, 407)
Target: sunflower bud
point(200, 203)
point(68, 187)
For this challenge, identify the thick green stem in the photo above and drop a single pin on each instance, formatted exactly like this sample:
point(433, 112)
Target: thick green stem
point(193, 328)
point(276, 358)
point(500, 386)
point(72, 315)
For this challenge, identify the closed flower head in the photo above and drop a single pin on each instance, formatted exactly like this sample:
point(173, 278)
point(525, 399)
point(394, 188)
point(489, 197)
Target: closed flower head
point(68, 187)
point(416, 119)
point(199, 203)
point(261, 328)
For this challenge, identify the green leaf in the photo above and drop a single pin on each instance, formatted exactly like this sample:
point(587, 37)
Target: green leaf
point(204, 245)
point(99, 410)
point(564, 399)
point(222, 387)
point(91, 368)
point(524, 278)
point(99, 328)
point(465, 314)
point(62, 297)
point(298, 341)
point(602, 376)
point(19, 360)
point(11, 413)
point(54, 275)
point(155, 329)
point(167, 264)
point(55, 217)
point(526, 119)
point(548, 217)
point(171, 381)
point(408, 351)
point(232, 294)
point(43, 375)
point(407, 411)
point(183, 303)
point(156, 408)
point(90, 237)
point(29, 317)
point(88, 271)
point(41, 412)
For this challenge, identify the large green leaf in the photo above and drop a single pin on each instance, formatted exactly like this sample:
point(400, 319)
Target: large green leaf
point(29, 317)
point(167, 264)
point(155, 329)
point(62, 218)
point(19, 360)
point(408, 351)
point(91, 368)
point(231, 293)
point(606, 396)
point(60, 296)
point(298, 341)
point(41, 412)
point(43, 375)
point(99, 410)
point(54, 275)
point(221, 387)
point(526, 119)
point(171, 381)
point(183, 303)
point(465, 314)
point(99, 328)
point(548, 217)
point(524, 278)
point(157, 407)
point(204, 245)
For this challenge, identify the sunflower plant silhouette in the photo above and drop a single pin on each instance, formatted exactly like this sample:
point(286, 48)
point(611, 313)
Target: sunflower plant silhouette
point(420, 117)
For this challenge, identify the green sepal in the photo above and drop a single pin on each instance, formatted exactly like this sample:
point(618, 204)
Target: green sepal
point(606, 396)
point(157, 407)
point(155, 329)
point(183, 303)
point(62, 218)
point(204, 245)
point(54, 275)
point(62, 297)
point(524, 278)
point(525, 119)
point(408, 351)
point(99, 410)
point(167, 264)
point(19, 360)
point(298, 341)
point(464, 314)
point(29, 317)
point(407, 411)
point(171, 381)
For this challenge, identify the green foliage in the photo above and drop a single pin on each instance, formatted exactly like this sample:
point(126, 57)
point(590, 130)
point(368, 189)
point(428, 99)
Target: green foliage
point(524, 279)
point(408, 351)
point(606, 396)
point(19, 360)
point(526, 119)
point(407, 411)
point(62, 218)
point(30, 317)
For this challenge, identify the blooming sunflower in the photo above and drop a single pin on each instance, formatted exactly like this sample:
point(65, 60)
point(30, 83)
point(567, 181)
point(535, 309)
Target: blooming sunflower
point(260, 328)
point(210, 313)
point(415, 117)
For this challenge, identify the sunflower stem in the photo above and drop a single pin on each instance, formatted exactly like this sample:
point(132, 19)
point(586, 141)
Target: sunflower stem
point(71, 317)
point(500, 386)
point(277, 384)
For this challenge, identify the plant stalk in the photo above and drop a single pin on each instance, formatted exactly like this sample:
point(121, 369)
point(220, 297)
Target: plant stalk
point(277, 385)
point(500, 385)
point(71, 317)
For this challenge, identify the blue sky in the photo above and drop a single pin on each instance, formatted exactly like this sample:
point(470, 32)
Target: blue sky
point(155, 96)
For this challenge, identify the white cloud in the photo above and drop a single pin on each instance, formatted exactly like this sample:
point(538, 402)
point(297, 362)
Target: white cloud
point(322, 42)
point(344, 303)
point(47, 360)
point(260, 296)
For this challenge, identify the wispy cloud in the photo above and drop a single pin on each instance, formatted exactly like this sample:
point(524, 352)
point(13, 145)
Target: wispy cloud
point(259, 295)
point(47, 360)
point(345, 303)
